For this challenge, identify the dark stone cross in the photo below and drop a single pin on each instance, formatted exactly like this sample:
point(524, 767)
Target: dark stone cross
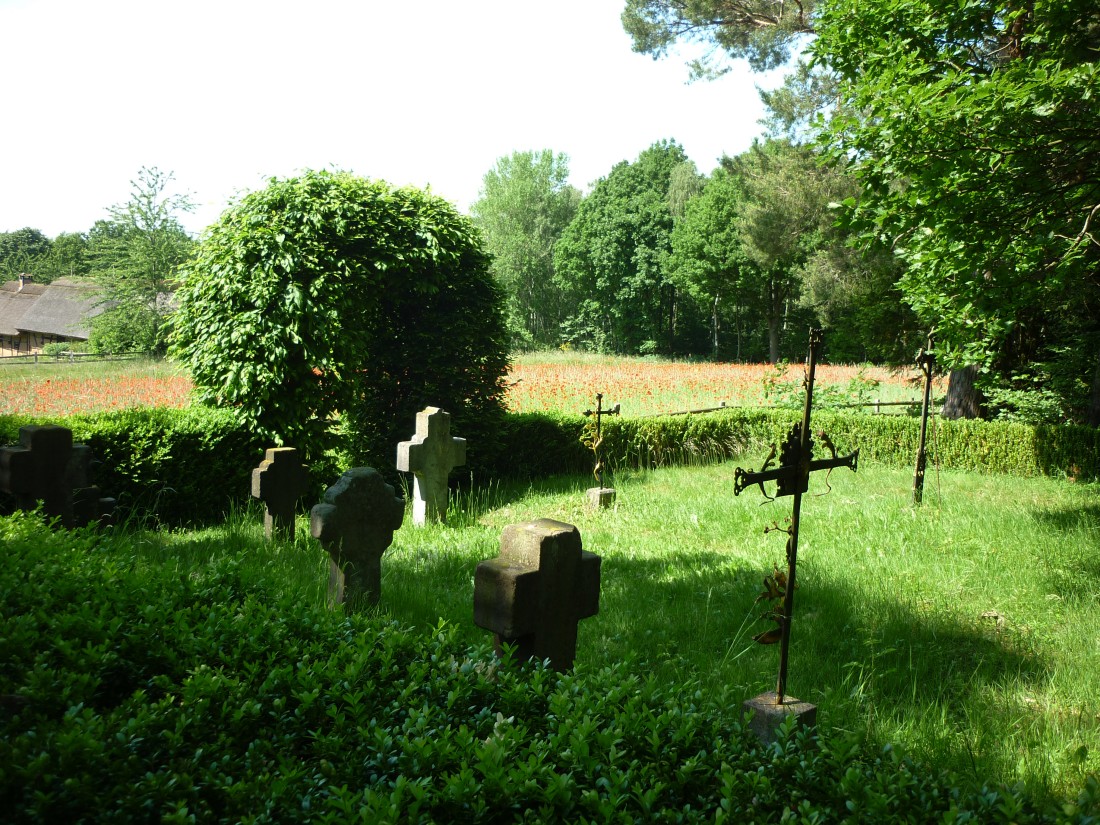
point(355, 523)
point(537, 590)
point(279, 482)
point(88, 504)
point(430, 456)
point(37, 469)
point(792, 478)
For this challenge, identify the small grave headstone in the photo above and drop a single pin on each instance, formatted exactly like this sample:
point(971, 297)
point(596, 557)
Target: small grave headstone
point(279, 482)
point(430, 456)
point(37, 469)
point(355, 523)
point(537, 590)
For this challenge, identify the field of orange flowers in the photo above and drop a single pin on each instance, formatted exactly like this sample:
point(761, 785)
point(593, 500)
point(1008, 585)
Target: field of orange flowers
point(566, 382)
point(569, 383)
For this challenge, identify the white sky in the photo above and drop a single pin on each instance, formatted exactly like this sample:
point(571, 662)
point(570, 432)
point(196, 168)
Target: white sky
point(228, 93)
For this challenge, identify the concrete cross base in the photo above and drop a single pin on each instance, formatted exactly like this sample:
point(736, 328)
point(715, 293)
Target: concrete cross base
point(601, 497)
point(767, 716)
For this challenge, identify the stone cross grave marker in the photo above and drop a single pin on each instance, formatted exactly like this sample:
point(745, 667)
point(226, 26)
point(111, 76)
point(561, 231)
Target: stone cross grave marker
point(279, 482)
point(37, 469)
point(430, 456)
point(355, 523)
point(88, 504)
point(537, 590)
point(792, 478)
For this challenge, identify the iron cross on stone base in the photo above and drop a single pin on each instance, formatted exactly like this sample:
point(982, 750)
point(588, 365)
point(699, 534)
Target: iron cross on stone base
point(792, 478)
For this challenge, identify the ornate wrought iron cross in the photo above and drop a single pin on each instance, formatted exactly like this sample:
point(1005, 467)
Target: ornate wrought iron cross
point(599, 413)
point(792, 478)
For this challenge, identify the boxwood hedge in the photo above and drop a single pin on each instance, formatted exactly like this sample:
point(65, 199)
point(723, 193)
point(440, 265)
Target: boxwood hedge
point(189, 466)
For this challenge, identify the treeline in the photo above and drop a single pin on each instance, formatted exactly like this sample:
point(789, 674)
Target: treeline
point(660, 259)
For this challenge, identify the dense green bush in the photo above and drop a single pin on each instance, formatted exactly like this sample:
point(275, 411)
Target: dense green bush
point(328, 294)
point(134, 692)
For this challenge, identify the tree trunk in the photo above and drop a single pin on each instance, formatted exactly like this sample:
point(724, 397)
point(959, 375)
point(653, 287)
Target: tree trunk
point(963, 399)
point(714, 325)
point(1093, 417)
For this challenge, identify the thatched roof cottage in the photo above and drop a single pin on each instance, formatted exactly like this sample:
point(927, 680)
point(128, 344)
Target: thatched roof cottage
point(33, 315)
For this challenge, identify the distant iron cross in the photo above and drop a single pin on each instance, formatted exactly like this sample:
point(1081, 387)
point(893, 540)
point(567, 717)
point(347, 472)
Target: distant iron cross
point(792, 478)
point(599, 414)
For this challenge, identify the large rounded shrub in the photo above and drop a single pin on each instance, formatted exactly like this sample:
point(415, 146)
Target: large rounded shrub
point(328, 297)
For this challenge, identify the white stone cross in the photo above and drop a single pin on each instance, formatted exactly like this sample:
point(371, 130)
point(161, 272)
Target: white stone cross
point(430, 456)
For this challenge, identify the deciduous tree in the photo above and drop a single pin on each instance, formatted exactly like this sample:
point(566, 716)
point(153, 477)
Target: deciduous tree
point(328, 301)
point(974, 129)
point(524, 206)
point(135, 256)
point(610, 260)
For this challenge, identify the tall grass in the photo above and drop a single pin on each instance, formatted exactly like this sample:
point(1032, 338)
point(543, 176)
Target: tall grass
point(964, 631)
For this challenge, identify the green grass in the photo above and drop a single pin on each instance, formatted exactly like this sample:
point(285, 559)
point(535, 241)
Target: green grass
point(88, 368)
point(964, 631)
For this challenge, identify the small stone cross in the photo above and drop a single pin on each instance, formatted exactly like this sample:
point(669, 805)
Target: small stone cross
point(38, 470)
point(355, 523)
point(537, 590)
point(430, 456)
point(279, 482)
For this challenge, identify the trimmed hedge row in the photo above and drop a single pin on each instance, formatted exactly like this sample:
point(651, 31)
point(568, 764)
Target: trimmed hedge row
point(979, 446)
point(134, 692)
point(188, 466)
point(177, 466)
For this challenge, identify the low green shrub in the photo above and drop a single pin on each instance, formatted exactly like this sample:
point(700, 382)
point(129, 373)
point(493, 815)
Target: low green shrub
point(132, 692)
point(978, 446)
point(174, 466)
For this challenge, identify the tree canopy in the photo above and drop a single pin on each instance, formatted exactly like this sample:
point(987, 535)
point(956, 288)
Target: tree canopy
point(763, 32)
point(610, 261)
point(524, 206)
point(974, 130)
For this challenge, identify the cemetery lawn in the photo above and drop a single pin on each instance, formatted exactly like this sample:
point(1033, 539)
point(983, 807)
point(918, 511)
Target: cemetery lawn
point(965, 633)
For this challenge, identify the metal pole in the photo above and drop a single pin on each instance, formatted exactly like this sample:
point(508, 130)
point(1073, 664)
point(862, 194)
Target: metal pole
point(926, 360)
point(792, 540)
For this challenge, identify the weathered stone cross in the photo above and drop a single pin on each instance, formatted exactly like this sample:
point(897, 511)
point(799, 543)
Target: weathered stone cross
point(38, 470)
point(430, 456)
point(279, 482)
point(537, 590)
point(792, 478)
point(355, 523)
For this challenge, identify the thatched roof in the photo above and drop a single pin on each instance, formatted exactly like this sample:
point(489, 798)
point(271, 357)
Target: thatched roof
point(14, 304)
point(62, 308)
